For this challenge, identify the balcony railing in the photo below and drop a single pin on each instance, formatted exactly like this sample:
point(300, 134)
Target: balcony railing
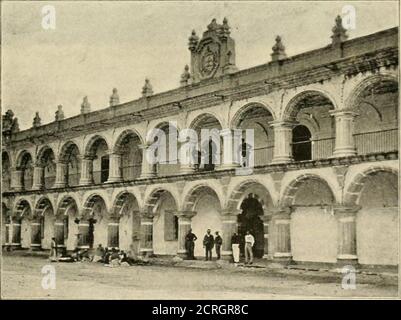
point(49, 182)
point(263, 155)
point(131, 172)
point(73, 179)
point(376, 141)
point(323, 148)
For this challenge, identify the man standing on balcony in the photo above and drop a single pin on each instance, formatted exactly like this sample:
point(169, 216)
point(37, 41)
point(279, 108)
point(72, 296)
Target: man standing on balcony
point(190, 239)
point(208, 243)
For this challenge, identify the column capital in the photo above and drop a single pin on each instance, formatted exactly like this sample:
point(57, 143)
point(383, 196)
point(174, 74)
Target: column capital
point(283, 124)
point(266, 217)
point(344, 211)
point(230, 212)
point(146, 216)
point(185, 214)
point(226, 131)
point(343, 113)
point(281, 211)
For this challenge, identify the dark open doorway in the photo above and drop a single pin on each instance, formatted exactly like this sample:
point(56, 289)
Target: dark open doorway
point(301, 143)
point(250, 220)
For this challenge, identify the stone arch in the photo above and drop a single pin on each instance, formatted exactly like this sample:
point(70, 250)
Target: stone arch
point(152, 200)
point(128, 132)
point(354, 190)
point(43, 152)
point(66, 147)
point(120, 201)
point(193, 195)
point(247, 107)
point(43, 204)
point(22, 208)
point(351, 100)
point(90, 144)
point(293, 106)
point(21, 156)
point(6, 166)
point(243, 189)
point(201, 117)
point(290, 191)
point(65, 203)
point(90, 202)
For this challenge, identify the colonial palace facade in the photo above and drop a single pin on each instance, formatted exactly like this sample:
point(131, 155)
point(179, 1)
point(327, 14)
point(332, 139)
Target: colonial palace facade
point(324, 187)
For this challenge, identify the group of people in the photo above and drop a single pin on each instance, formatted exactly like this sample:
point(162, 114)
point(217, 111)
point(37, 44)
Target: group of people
point(210, 241)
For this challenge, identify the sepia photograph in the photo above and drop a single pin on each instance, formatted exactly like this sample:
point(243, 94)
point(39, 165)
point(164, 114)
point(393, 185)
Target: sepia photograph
point(200, 150)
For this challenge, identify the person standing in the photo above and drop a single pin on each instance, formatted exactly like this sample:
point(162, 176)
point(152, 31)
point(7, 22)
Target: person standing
point(208, 243)
point(249, 242)
point(53, 250)
point(190, 239)
point(218, 242)
point(235, 247)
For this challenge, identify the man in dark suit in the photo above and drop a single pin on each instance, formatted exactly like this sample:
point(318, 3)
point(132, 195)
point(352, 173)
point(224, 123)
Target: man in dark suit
point(208, 243)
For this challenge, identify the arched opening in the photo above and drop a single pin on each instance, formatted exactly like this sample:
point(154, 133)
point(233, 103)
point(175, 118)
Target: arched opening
point(42, 225)
point(165, 223)
point(66, 224)
point(377, 220)
point(70, 157)
point(301, 143)
point(93, 226)
point(98, 151)
point(21, 225)
point(124, 229)
point(26, 168)
point(168, 165)
point(376, 126)
point(5, 171)
point(209, 151)
point(256, 117)
point(310, 109)
point(313, 227)
point(46, 161)
point(206, 203)
point(128, 145)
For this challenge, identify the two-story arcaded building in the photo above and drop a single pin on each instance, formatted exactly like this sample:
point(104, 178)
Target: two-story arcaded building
point(324, 187)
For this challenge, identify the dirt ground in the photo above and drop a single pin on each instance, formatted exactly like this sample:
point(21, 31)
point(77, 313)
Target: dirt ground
point(22, 278)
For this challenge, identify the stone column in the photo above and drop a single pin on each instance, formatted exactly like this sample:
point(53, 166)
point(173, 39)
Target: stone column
point(59, 233)
point(229, 226)
point(282, 141)
point(86, 171)
point(148, 170)
point(184, 225)
point(266, 231)
point(61, 170)
point(230, 155)
point(115, 168)
point(347, 250)
point(186, 161)
point(282, 234)
point(38, 178)
point(146, 244)
point(344, 144)
point(36, 236)
point(16, 180)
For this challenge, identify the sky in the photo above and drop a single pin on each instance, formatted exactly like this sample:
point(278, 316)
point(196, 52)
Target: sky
point(99, 45)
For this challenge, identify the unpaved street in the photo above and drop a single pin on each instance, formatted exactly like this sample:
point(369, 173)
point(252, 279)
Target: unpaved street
point(22, 277)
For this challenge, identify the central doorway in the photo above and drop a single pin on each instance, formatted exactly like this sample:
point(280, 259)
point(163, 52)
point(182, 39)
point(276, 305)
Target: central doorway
point(250, 220)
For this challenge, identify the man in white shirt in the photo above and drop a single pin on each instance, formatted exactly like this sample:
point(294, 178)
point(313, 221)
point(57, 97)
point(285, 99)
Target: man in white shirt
point(249, 242)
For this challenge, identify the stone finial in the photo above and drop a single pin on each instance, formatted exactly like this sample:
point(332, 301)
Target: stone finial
point(59, 115)
point(114, 98)
point(15, 125)
point(36, 120)
point(213, 25)
point(147, 89)
point(339, 32)
point(225, 28)
point(278, 50)
point(185, 77)
point(193, 41)
point(85, 106)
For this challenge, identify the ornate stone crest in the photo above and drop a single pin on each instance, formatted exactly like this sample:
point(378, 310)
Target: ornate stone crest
point(209, 61)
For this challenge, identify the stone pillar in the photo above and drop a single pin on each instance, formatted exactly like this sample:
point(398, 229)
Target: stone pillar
point(184, 225)
point(266, 231)
point(146, 245)
point(86, 171)
point(115, 168)
point(347, 250)
point(61, 171)
point(148, 169)
point(37, 178)
point(16, 180)
point(36, 234)
point(113, 233)
point(229, 225)
point(186, 158)
point(83, 234)
point(230, 159)
point(282, 235)
point(344, 144)
point(282, 141)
